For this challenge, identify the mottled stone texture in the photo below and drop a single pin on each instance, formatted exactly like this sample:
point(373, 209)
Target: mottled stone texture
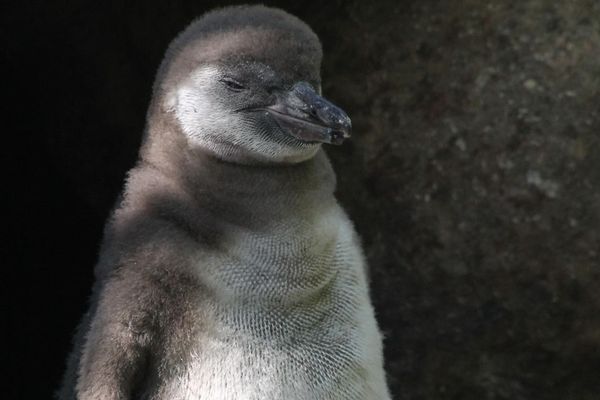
point(473, 177)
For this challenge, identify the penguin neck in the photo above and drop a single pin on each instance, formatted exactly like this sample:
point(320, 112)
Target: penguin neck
point(262, 188)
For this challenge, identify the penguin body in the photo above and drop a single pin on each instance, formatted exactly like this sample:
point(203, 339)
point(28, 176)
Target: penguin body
point(228, 270)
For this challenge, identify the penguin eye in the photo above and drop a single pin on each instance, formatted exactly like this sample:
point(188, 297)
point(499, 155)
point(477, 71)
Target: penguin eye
point(233, 84)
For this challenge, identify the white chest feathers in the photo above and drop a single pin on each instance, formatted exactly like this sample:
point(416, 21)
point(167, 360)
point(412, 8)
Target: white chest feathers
point(292, 319)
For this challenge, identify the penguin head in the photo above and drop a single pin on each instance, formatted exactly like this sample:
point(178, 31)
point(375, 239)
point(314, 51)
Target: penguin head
point(244, 84)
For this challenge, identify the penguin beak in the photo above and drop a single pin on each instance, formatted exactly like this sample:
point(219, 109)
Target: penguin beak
point(309, 117)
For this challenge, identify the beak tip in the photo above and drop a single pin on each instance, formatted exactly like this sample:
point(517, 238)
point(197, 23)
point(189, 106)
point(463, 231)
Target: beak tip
point(338, 136)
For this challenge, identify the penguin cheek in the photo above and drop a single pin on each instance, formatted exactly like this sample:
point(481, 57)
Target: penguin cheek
point(271, 131)
point(197, 113)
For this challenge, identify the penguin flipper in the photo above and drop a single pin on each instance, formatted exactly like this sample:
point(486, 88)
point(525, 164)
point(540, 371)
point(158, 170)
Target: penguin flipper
point(115, 349)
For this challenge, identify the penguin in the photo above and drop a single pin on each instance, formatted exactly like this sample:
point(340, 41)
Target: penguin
point(228, 270)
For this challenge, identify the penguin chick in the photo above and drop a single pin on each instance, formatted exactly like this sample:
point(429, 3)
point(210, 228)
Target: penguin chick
point(228, 270)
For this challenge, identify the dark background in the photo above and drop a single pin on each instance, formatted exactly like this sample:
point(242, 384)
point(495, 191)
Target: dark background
point(473, 178)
